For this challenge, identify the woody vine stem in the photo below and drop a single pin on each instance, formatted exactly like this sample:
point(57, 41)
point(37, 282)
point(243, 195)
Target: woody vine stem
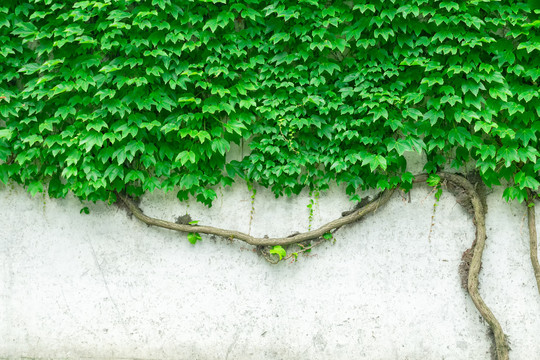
point(454, 180)
point(533, 237)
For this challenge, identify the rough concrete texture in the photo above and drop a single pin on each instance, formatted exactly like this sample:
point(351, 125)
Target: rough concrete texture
point(104, 286)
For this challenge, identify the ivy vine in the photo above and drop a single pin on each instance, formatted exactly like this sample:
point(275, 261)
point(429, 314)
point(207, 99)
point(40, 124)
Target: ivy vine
point(112, 99)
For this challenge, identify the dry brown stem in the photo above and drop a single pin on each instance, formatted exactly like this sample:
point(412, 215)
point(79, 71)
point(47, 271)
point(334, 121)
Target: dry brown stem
point(461, 182)
point(501, 346)
point(533, 237)
point(232, 234)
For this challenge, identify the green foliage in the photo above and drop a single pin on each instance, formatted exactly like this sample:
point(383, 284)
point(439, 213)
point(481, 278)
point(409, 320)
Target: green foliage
point(278, 250)
point(193, 237)
point(433, 180)
point(105, 96)
point(313, 201)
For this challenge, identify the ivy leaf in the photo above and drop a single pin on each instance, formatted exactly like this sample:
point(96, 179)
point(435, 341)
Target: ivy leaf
point(487, 151)
point(472, 87)
point(114, 171)
point(433, 180)
point(329, 68)
point(485, 126)
point(378, 113)
point(251, 14)
point(376, 161)
point(400, 145)
point(526, 181)
point(134, 175)
point(133, 147)
point(220, 145)
point(528, 154)
point(500, 92)
point(69, 172)
point(417, 144)
point(6, 134)
point(407, 177)
point(526, 135)
point(459, 136)
point(206, 196)
point(91, 139)
point(508, 155)
point(433, 116)
point(185, 157)
point(151, 183)
point(513, 108)
point(235, 127)
point(120, 155)
point(35, 187)
point(486, 165)
point(278, 250)
point(512, 193)
point(189, 181)
point(193, 237)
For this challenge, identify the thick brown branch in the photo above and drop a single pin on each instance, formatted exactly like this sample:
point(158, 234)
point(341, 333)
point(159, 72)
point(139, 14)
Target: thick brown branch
point(533, 237)
point(232, 234)
point(472, 284)
point(457, 180)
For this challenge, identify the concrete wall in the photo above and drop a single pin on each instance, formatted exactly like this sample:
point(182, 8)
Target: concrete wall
point(104, 286)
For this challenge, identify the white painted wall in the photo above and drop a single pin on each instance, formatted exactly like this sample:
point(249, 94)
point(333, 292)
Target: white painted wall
point(104, 286)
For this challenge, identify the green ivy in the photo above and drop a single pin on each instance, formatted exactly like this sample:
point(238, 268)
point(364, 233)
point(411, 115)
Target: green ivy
point(98, 97)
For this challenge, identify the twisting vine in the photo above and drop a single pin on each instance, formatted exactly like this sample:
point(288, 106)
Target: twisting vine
point(533, 237)
point(453, 182)
point(100, 98)
point(456, 181)
point(321, 232)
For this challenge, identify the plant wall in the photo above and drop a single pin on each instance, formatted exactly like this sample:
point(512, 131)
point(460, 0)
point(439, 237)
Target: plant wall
point(131, 96)
point(109, 99)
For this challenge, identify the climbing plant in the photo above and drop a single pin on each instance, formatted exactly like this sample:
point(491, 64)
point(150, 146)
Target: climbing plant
point(109, 99)
point(132, 96)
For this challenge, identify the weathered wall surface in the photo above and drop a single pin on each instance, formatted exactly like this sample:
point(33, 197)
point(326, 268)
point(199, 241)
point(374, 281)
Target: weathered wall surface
point(104, 286)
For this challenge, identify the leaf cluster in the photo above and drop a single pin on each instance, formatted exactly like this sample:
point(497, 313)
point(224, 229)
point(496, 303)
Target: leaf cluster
point(98, 97)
